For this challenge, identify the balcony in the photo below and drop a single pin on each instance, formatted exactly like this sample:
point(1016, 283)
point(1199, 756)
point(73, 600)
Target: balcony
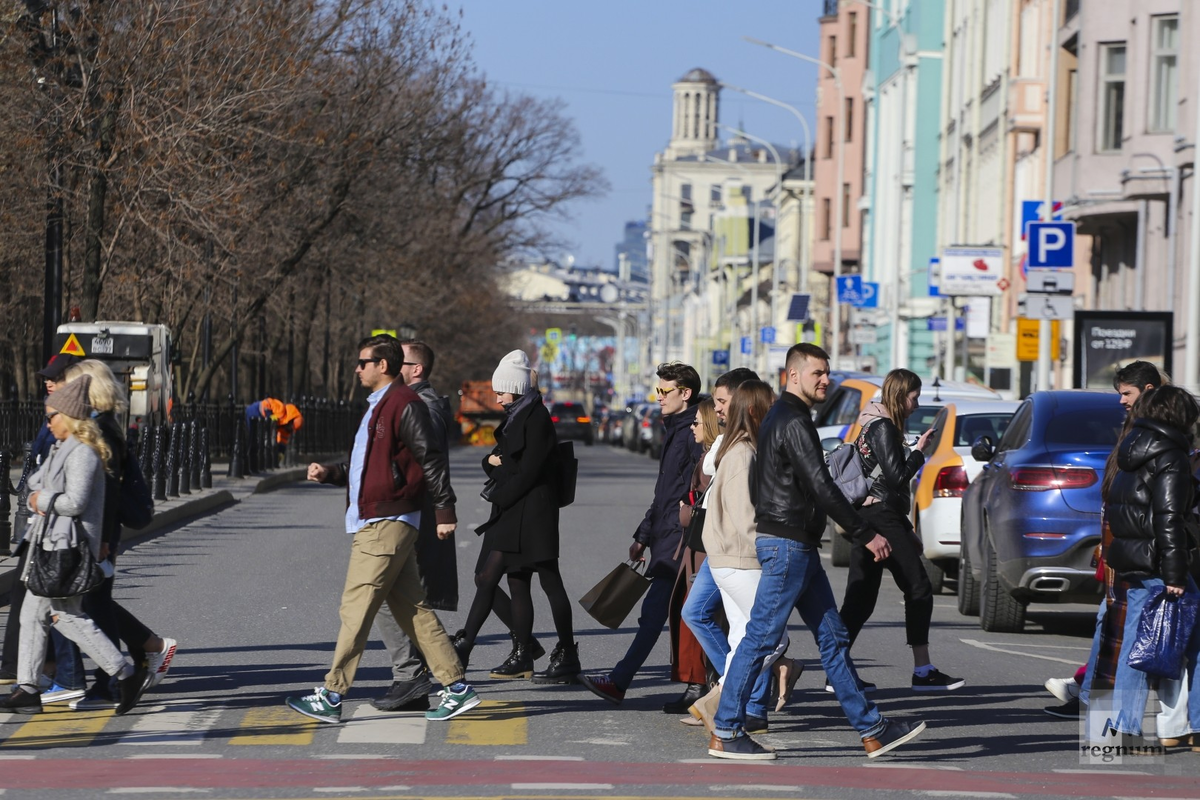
point(1026, 104)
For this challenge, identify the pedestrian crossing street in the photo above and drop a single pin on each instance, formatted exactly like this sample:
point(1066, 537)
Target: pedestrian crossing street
point(191, 723)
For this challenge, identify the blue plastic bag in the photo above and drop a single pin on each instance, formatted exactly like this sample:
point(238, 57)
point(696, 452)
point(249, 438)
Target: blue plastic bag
point(1163, 633)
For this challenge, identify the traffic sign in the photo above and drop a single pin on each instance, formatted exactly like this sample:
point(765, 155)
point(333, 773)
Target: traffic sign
point(1050, 281)
point(1031, 211)
point(73, 347)
point(869, 296)
point(767, 335)
point(939, 324)
point(554, 335)
point(864, 336)
point(720, 358)
point(934, 276)
point(1028, 336)
point(1051, 245)
point(746, 345)
point(798, 307)
point(849, 289)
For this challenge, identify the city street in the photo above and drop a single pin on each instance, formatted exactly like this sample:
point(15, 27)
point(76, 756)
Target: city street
point(251, 593)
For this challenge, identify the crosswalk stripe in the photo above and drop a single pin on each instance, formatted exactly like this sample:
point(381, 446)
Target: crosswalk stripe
point(184, 724)
point(59, 727)
point(371, 726)
point(492, 722)
point(275, 725)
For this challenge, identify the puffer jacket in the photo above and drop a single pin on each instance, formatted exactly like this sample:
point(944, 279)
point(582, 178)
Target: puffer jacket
point(1148, 502)
point(882, 445)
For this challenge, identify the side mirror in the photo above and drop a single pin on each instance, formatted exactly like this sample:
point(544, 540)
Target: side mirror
point(830, 443)
point(982, 449)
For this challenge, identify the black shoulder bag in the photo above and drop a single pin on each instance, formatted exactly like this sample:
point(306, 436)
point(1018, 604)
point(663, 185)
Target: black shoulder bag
point(59, 574)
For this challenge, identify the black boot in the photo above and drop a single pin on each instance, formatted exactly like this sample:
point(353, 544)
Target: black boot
point(519, 664)
point(691, 694)
point(564, 665)
point(459, 640)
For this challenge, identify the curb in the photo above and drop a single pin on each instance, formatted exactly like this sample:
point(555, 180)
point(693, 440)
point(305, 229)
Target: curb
point(273, 482)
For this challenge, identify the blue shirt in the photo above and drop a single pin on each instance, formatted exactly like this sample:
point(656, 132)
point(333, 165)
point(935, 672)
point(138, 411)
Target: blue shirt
point(358, 457)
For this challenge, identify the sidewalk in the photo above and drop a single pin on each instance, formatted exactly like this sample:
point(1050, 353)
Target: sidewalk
point(224, 492)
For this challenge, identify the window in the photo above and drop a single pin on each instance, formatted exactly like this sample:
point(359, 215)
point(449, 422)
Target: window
point(1111, 118)
point(1072, 104)
point(685, 192)
point(748, 193)
point(714, 193)
point(826, 219)
point(832, 59)
point(845, 205)
point(685, 221)
point(829, 137)
point(1018, 429)
point(1164, 73)
point(848, 135)
point(852, 34)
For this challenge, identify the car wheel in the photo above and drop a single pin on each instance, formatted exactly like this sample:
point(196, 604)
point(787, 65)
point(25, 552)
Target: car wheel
point(937, 575)
point(968, 587)
point(998, 612)
point(839, 548)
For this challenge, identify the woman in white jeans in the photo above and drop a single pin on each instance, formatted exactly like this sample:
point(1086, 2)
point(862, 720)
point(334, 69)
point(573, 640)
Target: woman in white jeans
point(729, 535)
point(67, 495)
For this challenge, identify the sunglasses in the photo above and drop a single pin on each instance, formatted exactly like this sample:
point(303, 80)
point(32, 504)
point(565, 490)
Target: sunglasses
point(665, 392)
point(51, 416)
point(362, 362)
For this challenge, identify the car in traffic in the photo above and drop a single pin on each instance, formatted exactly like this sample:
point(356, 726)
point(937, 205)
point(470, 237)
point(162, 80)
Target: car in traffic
point(609, 430)
point(572, 422)
point(1031, 518)
point(631, 428)
point(939, 485)
point(653, 433)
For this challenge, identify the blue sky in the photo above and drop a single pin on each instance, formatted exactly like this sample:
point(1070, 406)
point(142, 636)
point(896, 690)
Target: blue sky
point(613, 63)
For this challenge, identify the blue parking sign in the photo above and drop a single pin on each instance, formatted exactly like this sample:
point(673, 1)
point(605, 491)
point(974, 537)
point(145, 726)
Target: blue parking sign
point(767, 335)
point(1051, 245)
point(849, 289)
point(720, 358)
point(868, 297)
point(746, 345)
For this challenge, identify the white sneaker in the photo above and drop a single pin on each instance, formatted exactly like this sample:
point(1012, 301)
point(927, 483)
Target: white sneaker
point(57, 694)
point(1065, 689)
point(93, 704)
point(157, 664)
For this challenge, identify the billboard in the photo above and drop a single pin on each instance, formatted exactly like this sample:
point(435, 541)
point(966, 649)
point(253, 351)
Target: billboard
point(972, 271)
point(1105, 341)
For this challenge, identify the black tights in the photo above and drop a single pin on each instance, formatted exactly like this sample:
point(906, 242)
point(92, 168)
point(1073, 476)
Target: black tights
point(517, 613)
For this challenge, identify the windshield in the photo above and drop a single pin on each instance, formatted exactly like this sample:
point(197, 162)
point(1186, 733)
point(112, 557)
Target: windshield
point(1094, 426)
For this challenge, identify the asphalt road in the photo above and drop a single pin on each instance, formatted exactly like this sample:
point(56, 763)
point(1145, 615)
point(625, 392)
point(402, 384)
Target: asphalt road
point(251, 594)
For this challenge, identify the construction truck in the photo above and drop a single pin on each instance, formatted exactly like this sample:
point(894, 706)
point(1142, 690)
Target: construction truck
point(138, 354)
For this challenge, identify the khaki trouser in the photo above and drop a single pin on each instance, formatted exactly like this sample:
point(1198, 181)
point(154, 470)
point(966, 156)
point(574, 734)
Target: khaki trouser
point(383, 567)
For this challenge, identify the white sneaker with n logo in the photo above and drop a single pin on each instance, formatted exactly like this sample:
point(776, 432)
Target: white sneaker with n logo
point(453, 703)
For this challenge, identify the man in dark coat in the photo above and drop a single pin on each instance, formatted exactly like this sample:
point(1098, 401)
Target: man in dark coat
point(437, 561)
point(678, 394)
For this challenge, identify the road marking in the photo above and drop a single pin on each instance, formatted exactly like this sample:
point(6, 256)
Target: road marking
point(171, 756)
point(539, 758)
point(943, 793)
point(492, 722)
point(754, 787)
point(1074, 662)
point(893, 765)
point(183, 725)
point(15, 757)
point(541, 787)
point(275, 725)
point(156, 790)
point(1093, 772)
point(59, 727)
point(372, 726)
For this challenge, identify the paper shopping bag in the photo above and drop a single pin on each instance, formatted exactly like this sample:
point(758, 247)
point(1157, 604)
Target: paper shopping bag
point(610, 601)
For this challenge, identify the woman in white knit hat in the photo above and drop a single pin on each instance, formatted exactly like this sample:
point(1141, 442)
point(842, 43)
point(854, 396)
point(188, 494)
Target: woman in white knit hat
point(521, 536)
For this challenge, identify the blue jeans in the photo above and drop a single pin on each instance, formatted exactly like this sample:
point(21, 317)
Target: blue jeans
point(650, 626)
point(699, 611)
point(68, 669)
point(792, 576)
point(1085, 690)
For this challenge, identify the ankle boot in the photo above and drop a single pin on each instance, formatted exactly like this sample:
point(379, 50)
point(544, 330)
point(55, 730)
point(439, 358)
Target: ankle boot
point(705, 708)
point(564, 665)
point(461, 648)
point(519, 664)
point(691, 694)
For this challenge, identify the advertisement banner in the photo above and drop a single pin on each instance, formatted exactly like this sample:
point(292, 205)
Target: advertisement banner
point(1105, 341)
point(972, 271)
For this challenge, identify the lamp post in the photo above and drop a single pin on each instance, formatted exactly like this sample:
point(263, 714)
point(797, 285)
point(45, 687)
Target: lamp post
point(836, 345)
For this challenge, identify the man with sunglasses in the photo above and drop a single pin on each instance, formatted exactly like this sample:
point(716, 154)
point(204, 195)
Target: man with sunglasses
point(395, 460)
point(678, 394)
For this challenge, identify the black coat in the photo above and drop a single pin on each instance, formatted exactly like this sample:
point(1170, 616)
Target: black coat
point(1148, 502)
point(437, 559)
point(660, 529)
point(524, 519)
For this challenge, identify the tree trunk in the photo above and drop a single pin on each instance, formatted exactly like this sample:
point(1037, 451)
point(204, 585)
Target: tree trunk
point(89, 301)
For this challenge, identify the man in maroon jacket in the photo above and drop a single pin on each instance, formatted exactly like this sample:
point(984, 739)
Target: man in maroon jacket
point(395, 460)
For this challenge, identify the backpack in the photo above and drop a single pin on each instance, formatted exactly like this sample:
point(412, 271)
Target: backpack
point(136, 507)
point(848, 471)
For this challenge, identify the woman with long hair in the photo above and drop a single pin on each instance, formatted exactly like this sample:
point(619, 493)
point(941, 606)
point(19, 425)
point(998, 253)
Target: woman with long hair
point(729, 538)
point(107, 398)
point(1147, 504)
point(521, 535)
point(891, 465)
point(68, 501)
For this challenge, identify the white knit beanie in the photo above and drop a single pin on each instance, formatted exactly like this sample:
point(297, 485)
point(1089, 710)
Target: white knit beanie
point(514, 374)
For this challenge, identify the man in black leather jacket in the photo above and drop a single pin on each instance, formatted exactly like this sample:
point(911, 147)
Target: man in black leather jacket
point(794, 493)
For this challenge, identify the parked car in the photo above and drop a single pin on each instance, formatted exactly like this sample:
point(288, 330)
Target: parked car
point(610, 425)
point(1031, 518)
point(938, 487)
point(653, 434)
point(571, 421)
point(632, 426)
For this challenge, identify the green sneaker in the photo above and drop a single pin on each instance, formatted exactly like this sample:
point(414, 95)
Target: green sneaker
point(318, 705)
point(453, 703)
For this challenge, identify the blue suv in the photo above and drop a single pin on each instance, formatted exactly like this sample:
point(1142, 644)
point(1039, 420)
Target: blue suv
point(1031, 519)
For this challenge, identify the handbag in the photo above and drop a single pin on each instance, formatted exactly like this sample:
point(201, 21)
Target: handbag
point(568, 473)
point(59, 574)
point(694, 535)
point(1163, 632)
point(610, 601)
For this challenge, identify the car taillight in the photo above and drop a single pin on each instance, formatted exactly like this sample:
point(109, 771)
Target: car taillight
point(583, 419)
point(950, 482)
point(646, 422)
point(1041, 479)
point(553, 419)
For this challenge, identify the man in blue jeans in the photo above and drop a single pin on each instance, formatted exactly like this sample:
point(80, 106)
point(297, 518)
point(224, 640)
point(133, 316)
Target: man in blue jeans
point(794, 493)
point(678, 395)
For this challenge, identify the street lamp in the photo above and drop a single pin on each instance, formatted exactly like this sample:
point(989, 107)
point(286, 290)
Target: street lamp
point(835, 349)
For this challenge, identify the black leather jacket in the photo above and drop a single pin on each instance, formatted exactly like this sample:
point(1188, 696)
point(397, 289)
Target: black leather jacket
point(1147, 503)
point(793, 488)
point(897, 466)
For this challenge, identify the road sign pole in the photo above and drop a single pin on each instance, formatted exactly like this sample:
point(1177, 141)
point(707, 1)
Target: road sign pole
point(1047, 148)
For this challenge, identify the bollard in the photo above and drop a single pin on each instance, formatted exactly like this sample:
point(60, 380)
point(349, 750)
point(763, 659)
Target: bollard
point(145, 452)
point(237, 465)
point(269, 445)
point(205, 461)
point(252, 447)
point(160, 461)
point(194, 453)
point(172, 460)
point(185, 458)
point(5, 504)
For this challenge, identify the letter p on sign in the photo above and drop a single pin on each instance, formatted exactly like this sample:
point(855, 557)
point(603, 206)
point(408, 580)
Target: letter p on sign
point(1051, 245)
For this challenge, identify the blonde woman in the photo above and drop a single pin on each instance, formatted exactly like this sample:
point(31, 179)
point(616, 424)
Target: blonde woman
point(107, 398)
point(67, 496)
